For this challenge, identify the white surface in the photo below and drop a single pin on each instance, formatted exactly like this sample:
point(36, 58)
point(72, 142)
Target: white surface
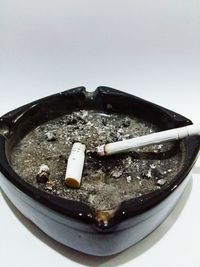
point(147, 48)
point(174, 243)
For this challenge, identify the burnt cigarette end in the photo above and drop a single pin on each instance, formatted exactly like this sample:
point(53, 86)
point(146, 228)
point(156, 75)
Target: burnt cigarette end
point(100, 150)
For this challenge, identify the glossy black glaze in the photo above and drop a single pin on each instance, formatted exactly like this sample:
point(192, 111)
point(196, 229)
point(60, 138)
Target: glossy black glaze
point(73, 223)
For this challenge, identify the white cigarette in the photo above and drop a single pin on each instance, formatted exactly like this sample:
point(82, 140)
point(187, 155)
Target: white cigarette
point(75, 165)
point(150, 139)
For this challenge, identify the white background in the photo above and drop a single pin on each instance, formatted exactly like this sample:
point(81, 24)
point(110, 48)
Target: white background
point(148, 48)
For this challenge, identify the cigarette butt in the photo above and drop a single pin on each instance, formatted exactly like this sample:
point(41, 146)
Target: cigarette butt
point(75, 165)
point(100, 150)
point(150, 139)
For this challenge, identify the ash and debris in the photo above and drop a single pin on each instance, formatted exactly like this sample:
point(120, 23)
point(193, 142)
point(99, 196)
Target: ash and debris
point(107, 181)
point(43, 174)
point(161, 182)
point(51, 136)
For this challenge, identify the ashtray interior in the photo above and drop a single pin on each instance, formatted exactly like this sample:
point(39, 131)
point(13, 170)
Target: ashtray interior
point(106, 181)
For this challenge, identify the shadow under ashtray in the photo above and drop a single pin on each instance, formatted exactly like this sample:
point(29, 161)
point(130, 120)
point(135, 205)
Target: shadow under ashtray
point(108, 261)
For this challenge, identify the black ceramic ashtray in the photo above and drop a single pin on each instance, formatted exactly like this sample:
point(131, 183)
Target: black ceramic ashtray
point(122, 198)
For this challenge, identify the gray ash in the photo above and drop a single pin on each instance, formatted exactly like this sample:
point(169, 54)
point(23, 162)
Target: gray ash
point(106, 181)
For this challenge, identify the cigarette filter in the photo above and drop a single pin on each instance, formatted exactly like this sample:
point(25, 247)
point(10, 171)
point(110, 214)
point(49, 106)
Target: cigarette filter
point(75, 165)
